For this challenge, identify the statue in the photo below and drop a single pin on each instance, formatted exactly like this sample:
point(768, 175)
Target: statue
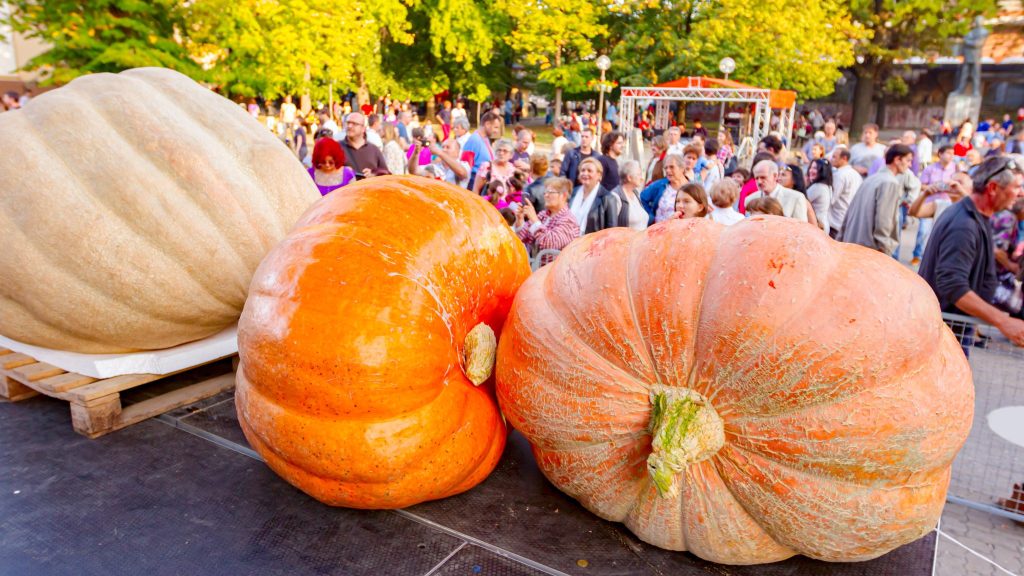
point(970, 70)
point(964, 103)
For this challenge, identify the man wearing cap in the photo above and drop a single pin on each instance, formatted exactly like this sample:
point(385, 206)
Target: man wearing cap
point(959, 262)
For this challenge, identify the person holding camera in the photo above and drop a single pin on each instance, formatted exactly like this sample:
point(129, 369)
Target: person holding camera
point(935, 198)
point(554, 227)
point(444, 160)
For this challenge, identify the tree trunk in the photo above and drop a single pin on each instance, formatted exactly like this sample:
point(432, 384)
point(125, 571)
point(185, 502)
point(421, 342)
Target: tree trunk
point(305, 103)
point(863, 97)
point(558, 91)
point(363, 92)
point(431, 110)
point(558, 106)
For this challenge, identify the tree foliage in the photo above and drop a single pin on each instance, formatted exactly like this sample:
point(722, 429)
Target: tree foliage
point(90, 36)
point(254, 46)
point(664, 39)
point(902, 29)
point(803, 51)
point(416, 48)
point(453, 45)
point(555, 37)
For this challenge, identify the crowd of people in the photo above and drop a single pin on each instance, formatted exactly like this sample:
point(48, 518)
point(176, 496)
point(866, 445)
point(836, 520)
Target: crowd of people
point(964, 189)
point(965, 192)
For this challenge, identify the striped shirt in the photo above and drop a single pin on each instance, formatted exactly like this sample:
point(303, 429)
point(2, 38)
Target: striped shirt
point(550, 232)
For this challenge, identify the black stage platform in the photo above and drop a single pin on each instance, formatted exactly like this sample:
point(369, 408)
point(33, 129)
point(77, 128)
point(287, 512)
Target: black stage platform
point(183, 494)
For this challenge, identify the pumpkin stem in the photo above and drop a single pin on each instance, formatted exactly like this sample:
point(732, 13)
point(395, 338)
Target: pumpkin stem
point(479, 352)
point(684, 429)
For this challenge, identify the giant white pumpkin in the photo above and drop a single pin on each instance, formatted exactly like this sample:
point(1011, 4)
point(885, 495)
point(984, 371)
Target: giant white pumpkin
point(134, 209)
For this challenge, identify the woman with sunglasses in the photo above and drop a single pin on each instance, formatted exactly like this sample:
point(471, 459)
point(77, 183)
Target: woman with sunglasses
point(329, 171)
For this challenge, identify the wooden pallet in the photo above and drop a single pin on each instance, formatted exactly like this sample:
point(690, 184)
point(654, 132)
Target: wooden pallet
point(96, 403)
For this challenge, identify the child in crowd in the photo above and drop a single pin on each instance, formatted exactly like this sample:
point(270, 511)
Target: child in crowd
point(763, 205)
point(497, 194)
point(692, 202)
point(723, 195)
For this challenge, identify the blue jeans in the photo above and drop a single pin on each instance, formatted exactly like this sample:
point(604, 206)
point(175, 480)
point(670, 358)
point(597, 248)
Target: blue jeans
point(902, 221)
point(924, 228)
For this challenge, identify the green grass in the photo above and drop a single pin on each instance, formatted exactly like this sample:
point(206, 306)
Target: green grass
point(541, 134)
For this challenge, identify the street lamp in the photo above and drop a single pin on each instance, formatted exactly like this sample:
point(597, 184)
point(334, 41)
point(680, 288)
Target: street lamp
point(603, 64)
point(727, 66)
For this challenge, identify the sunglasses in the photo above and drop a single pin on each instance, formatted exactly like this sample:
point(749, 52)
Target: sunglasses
point(1010, 165)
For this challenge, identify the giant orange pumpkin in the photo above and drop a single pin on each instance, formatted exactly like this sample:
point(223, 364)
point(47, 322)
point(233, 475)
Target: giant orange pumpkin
point(744, 393)
point(364, 337)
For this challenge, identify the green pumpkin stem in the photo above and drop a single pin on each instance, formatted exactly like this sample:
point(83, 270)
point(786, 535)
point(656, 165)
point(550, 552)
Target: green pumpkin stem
point(684, 429)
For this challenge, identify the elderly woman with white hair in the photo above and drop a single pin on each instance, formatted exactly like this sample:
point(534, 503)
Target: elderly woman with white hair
point(500, 170)
point(632, 214)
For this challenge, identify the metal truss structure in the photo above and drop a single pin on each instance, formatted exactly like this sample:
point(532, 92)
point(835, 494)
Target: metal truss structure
point(700, 89)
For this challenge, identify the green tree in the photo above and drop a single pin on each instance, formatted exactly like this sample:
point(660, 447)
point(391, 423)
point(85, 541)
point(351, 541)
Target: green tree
point(556, 37)
point(455, 45)
point(902, 29)
point(804, 51)
point(274, 48)
point(646, 38)
point(103, 36)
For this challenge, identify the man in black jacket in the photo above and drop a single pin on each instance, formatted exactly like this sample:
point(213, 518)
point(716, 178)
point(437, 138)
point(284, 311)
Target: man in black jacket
point(571, 162)
point(959, 261)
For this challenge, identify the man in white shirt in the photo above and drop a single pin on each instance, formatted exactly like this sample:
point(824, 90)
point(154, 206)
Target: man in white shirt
point(864, 153)
point(673, 140)
point(326, 123)
point(375, 125)
point(845, 183)
point(766, 174)
point(460, 127)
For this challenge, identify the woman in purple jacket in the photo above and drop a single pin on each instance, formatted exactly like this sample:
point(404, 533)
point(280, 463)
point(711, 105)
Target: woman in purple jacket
point(329, 171)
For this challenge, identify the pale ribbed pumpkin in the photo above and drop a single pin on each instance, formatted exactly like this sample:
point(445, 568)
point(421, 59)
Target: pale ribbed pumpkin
point(745, 393)
point(134, 208)
point(365, 332)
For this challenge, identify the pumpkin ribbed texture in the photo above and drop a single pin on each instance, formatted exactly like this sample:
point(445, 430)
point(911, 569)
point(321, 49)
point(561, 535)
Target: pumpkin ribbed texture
point(352, 383)
point(821, 399)
point(134, 208)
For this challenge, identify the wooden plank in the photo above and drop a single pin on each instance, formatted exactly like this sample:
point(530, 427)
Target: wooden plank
point(14, 391)
point(60, 384)
point(105, 414)
point(100, 388)
point(37, 371)
point(12, 361)
point(4, 351)
point(98, 418)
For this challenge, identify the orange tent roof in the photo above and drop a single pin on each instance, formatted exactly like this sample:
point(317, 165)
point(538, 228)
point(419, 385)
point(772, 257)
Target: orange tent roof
point(776, 98)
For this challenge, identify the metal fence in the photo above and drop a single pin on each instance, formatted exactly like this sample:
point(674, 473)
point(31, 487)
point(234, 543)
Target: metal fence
point(988, 474)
